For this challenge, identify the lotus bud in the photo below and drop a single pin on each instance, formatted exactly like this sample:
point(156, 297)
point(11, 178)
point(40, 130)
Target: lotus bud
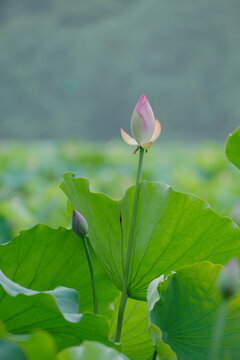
point(228, 280)
point(145, 128)
point(79, 224)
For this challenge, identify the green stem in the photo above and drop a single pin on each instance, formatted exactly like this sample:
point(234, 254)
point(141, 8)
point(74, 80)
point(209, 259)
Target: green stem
point(218, 330)
point(154, 355)
point(92, 275)
point(124, 295)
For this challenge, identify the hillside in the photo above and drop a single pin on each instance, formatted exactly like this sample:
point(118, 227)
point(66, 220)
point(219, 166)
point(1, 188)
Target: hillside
point(76, 68)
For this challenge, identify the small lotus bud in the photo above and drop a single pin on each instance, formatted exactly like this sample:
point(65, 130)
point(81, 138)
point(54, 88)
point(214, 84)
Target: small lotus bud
point(228, 280)
point(79, 224)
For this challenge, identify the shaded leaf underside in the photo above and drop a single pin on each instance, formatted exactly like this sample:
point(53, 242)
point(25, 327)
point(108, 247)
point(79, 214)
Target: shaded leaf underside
point(23, 310)
point(186, 311)
point(43, 258)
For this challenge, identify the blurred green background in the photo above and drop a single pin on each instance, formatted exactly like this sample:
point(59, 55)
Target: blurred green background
point(71, 73)
point(30, 175)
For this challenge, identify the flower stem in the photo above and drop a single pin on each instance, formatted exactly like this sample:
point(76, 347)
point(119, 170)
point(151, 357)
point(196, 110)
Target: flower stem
point(154, 355)
point(218, 330)
point(95, 306)
point(124, 295)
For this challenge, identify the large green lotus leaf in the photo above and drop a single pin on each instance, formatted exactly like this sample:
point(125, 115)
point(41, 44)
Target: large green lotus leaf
point(36, 346)
point(22, 310)
point(172, 230)
point(233, 148)
point(43, 258)
point(90, 351)
point(136, 342)
point(185, 306)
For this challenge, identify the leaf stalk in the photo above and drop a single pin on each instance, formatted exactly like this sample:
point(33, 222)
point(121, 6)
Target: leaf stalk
point(124, 295)
point(95, 305)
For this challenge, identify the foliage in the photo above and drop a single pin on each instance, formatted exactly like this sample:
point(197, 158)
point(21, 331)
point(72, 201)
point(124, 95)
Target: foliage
point(55, 311)
point(136, 341)
point(42, 259)
point(164, 219)
point(37, 345)
point(30, 173)
point(184, 306)
point(46, 300)
point(233, 148)
point(90, 350)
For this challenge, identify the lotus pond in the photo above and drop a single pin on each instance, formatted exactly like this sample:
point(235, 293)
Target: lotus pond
point(181, 301)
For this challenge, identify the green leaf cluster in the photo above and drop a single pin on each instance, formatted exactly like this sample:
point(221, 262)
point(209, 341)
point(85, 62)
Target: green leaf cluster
point(201, 169)
point(184, 306)
point(43, 258)
point(233, 148)
point(180, 244)
point(173, 230)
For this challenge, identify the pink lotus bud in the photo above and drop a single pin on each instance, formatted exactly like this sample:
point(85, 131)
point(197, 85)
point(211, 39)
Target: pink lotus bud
point(145, 129)
point(142, 121)
point(228, 280)
point(79, 224)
